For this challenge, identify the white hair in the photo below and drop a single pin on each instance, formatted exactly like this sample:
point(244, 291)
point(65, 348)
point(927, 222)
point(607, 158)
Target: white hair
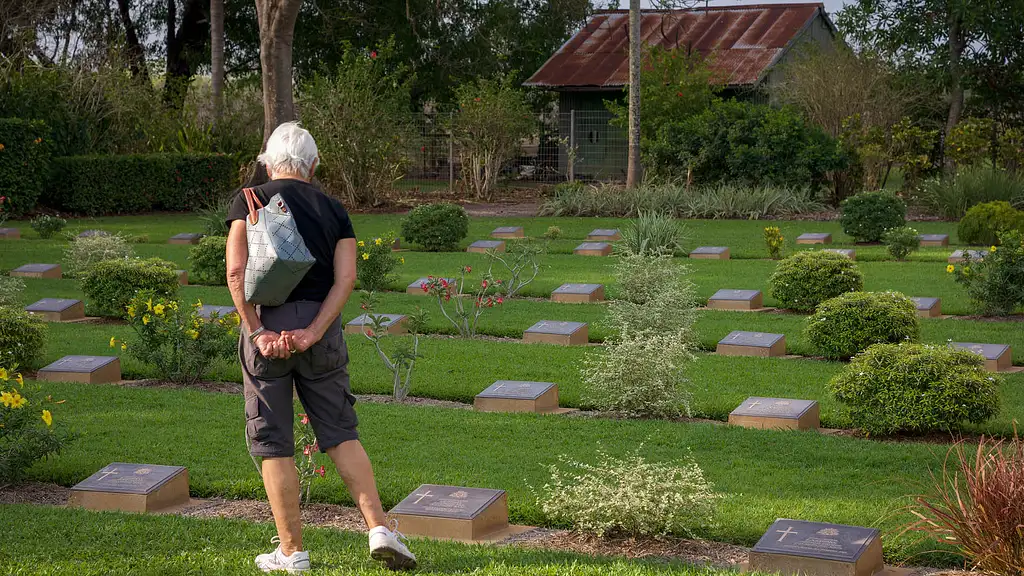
point(290, 150)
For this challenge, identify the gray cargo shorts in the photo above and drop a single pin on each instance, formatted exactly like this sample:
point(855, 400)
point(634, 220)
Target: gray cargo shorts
point(319, 376)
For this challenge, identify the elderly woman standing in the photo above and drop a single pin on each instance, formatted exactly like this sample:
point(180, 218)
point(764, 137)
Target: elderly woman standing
point(300, 343)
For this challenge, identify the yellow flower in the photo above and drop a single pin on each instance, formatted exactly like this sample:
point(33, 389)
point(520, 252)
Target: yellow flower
point(131, 311)
point(47, 417)
point(366, 256)
point(950, 268)
point(19, 380)
point(992, 249)
point(193, 334)
point(402, 260)
point(113, 341)
point(3, 374)
point(377, 242)
point(158, 309)
point(124, 347)
point(149, 304)
point(145, 319)
point(361, 243)
point(6, 399)
point(17, 400)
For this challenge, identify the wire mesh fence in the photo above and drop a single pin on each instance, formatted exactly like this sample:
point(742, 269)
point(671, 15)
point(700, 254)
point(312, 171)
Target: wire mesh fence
point(569, 146)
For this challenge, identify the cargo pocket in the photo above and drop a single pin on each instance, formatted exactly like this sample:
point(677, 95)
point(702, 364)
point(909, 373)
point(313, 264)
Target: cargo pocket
point(255, 425)
point(329, 353)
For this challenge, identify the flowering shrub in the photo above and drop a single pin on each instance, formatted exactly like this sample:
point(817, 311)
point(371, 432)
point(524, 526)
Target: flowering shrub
point(28, 429)
point(376, 262)
point(996, 282)
point(10, 290)
point(868, 215)
point(207, 261)
point(22, 337)
point(449, 294)
point(46, 225)
point(655, 294)
point(403, 358)
point(901, 241)
point(306, 465)
point(977, 505)
point(917, 388)
point(83, 252)
point(849, 323)
point(520, 262)
point(629, 496)
point(174, 339)
point(111, 284)
point(806, 279)
point(773, 240)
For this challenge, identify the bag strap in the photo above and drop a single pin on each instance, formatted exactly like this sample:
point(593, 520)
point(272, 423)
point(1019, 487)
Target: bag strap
point(254, 203)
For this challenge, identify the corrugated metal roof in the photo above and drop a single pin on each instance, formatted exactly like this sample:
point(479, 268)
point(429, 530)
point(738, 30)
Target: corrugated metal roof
point(743, 41)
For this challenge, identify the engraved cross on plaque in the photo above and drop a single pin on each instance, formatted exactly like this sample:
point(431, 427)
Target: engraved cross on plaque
point(426, 494)
point(107, 473)
point(786, 532)
point(754, 403)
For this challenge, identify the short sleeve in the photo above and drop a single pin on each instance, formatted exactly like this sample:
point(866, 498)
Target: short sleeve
point(238, 209)
point(345, 230)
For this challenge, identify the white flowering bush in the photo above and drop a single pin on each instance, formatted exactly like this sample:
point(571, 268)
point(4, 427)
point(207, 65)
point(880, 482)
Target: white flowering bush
point(629, 496)
point(640, 374)
point(10, 290)
point(655, 294)
point(85, 251)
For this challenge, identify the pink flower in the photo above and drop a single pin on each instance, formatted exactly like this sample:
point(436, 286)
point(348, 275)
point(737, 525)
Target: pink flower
point(307, 450)
point(373, 54)
point(370, 333)
point(483, 284)
point(430, 277)
point(305, 419)
point(321, 471)
point(316, 446)
point(444, 283)
point(424, 286)
point(498, 281)
point(500, 300)
point(476, 99)
point(469, 269)
point(679, 94)
point(423, 148)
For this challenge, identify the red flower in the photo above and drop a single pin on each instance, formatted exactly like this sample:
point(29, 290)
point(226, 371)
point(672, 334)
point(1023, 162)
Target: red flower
point(680, 94)
point(307, 450)
point(483, 284)
point(305, 419)
point(424, 286)
point(444, 283)
point(370, 333)
point(430, 277)
point(500, 300)
point(498, 281)
point(469, 269)
point(321, 471)
point(363, 306)
point(476, 99)
point(373, 54)
point(423, 148)
point(316, 446)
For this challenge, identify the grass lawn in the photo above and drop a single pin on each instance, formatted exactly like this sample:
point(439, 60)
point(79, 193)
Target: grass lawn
point(52, 541)
point(765, 475)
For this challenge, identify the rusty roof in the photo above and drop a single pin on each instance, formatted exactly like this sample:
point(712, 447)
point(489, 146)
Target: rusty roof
point(744, 41)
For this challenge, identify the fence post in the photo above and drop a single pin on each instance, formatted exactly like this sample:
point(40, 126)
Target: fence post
point(451, 161)
point(570, 154)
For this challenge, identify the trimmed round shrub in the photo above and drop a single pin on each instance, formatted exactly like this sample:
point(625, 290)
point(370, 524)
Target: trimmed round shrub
point(868, 215)
point(917, 388)
point(984, 222)
point(22, 337)
point(110, 285)
point(807, 279)
point(846, 325)
point(206, 261)
point(436, 227)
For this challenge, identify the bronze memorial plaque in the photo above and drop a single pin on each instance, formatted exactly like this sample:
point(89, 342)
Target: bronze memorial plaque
point(799, 547)
point(132, 488)
point(517, 396)
point(453, 512)
point(85, 369)
point(578, 293)
point(554, 332)
point(739, 343)
point(998, 357)
point(776, 414)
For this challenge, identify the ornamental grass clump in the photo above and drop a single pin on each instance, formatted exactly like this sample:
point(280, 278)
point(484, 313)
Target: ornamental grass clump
point(916, 388)
point(629, 496)
point(977, 505)
point(30, 428)
point(846, 325)
point(806, 279)
point(175, 340)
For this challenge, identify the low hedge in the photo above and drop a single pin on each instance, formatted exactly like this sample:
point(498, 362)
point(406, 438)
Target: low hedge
point(24, 163)
point(111, 284)
point(93, 185)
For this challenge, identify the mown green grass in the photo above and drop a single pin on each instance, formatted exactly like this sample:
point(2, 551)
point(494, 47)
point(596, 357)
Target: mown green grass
point(764, 475)
point(53, 541)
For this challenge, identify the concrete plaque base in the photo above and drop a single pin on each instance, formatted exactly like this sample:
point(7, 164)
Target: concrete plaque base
point(998, 357)
point(928, 307)
point(593, 249)
point(182, 277)
point(776, 414)
point(395, 324)
point(814, 238)
point(794, 547)
point(508, 232)
point(736, 300)
point(453, 513)
point(604, 235)
point(934, 240)
point(51, 271)
point(578, 293)
point(482, 246)
point(57, 309)
point(710, 253)
point(515, 396)
point(185, 238)
point(132, 488)
point(10, 233)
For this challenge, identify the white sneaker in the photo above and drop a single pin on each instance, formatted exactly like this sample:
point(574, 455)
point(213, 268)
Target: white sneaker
point(386, 545)
point(276, 560)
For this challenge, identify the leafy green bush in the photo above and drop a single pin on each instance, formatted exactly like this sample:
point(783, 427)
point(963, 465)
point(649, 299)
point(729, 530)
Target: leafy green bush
point(28, 432)
point(84, 251)
point(629, 496)
point(745, 143)
point(806, 279)
point(214, 216)
point(774, 241)
point(652, 233)
point(436, 227)
point(175, 339)
point(655, 293)
point(92, 185)
point(46, 225)
point(24, 163)
point(868, 215)
point(111, 284)
point(10, 290)
point(22, 337)
point(951, 197)
point(846, 325)
point(376, 262)
point(901, 241)
point(995, 283)
point(917, 388)
point(206, 261)
point(983, 223)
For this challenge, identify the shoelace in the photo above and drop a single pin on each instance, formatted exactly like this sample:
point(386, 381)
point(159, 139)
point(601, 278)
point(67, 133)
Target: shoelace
point(393, 527)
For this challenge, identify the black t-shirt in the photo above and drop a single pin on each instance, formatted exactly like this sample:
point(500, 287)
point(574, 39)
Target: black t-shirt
point(321, 220)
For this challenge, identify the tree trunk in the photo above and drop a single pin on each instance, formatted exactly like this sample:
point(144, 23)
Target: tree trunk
point(186, 48)
point(217, 58)
point(136, 54)
point(956, 89)
point(277, 28)
point(633, 166)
